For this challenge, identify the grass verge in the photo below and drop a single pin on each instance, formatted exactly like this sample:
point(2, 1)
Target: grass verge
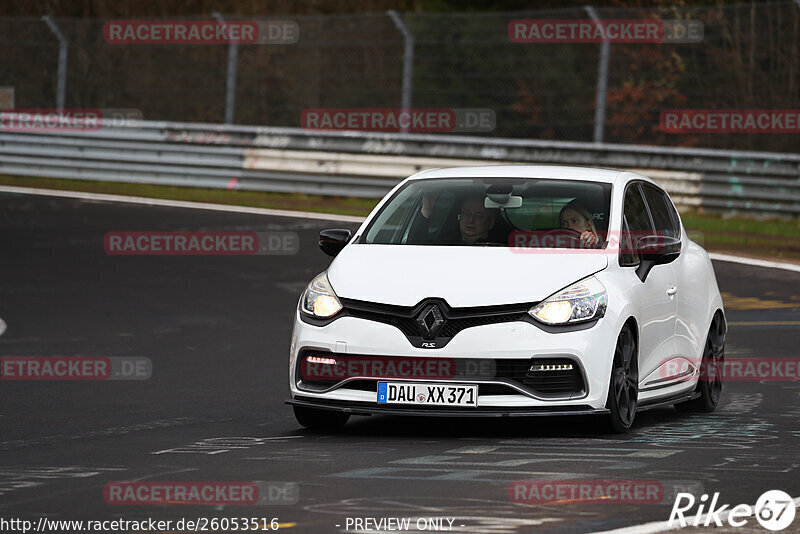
point(257, 199)
point(774, 239)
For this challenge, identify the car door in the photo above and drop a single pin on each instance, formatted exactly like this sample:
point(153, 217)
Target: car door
point(655, 295)
point(690, 296)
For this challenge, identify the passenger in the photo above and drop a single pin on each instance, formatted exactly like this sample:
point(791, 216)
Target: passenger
point(576, 217)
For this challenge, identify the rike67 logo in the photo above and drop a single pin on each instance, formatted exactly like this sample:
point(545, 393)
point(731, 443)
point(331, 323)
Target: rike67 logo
point(774, 510)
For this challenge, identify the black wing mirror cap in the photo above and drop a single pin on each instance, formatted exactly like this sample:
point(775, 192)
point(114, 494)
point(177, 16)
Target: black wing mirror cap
point(656, 250)
point(332, 241)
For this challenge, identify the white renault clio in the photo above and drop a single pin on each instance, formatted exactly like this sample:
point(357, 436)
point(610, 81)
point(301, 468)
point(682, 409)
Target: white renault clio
point(512, 290)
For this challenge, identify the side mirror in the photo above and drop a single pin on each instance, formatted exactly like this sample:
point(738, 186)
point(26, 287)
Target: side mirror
point(656, 250)
point(333, 241)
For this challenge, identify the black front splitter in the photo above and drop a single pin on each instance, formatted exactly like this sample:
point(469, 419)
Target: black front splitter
point(358, 408)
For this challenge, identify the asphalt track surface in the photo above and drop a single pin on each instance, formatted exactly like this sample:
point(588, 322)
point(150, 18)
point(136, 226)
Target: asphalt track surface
point(217, 330)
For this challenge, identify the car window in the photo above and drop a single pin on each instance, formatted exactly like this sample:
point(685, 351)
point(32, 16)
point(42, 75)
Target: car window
point(392, 219)
point(636, 211)
point(443, 207)
point(636, 224)
point(664, 216)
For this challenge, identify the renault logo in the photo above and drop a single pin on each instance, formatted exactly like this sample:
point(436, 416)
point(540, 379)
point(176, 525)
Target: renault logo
point(430, 321)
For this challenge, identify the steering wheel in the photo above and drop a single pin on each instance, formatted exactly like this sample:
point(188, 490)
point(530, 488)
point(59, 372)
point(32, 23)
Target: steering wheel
point(569, 233)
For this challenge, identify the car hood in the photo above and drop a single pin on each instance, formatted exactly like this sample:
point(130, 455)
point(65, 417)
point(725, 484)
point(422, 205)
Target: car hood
point(403, 275)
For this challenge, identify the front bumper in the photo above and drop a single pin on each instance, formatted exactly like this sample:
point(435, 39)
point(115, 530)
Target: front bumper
point(591, 348)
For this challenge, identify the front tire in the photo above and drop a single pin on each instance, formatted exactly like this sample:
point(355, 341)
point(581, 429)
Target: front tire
point(709, 384)
point(315, 419)
point(623, 390)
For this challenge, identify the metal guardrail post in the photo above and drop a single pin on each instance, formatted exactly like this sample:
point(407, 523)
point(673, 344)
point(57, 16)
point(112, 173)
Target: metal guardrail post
point(63, 46)
point(408, 60)
point(602, 82)
point(230, 81)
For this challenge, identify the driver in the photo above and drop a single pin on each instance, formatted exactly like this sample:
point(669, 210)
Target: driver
point(474, 220)
point(575, 216)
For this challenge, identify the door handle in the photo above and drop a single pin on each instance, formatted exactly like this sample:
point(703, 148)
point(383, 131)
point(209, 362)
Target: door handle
point(671, 291)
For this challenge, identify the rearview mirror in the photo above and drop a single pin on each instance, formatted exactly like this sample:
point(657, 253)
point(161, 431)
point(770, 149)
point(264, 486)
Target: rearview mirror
point(512, 201)
point(332, 241)
point(499, 196)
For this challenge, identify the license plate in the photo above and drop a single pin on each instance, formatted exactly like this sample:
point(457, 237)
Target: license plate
point(428, 394)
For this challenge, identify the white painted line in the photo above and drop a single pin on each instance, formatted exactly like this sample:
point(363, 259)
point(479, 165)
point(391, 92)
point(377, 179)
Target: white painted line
point(178, 204)
point(301, 214)
point(645, 528)
point(664, 526)
point(752, 261)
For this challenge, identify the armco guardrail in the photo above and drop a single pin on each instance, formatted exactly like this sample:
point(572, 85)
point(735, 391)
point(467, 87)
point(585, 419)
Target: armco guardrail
point(366, 164)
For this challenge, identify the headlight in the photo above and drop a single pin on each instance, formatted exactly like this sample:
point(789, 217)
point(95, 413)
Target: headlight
point(319, 300)
point(582, 301)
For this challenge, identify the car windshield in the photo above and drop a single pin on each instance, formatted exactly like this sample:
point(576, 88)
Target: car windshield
point(535, 212)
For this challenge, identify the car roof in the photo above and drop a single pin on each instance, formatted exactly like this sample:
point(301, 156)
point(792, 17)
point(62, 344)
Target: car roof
point(563, 172)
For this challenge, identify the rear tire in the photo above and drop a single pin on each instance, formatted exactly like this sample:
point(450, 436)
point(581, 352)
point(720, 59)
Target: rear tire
point(709, 384)
point(315, 419)
point(623, 389)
